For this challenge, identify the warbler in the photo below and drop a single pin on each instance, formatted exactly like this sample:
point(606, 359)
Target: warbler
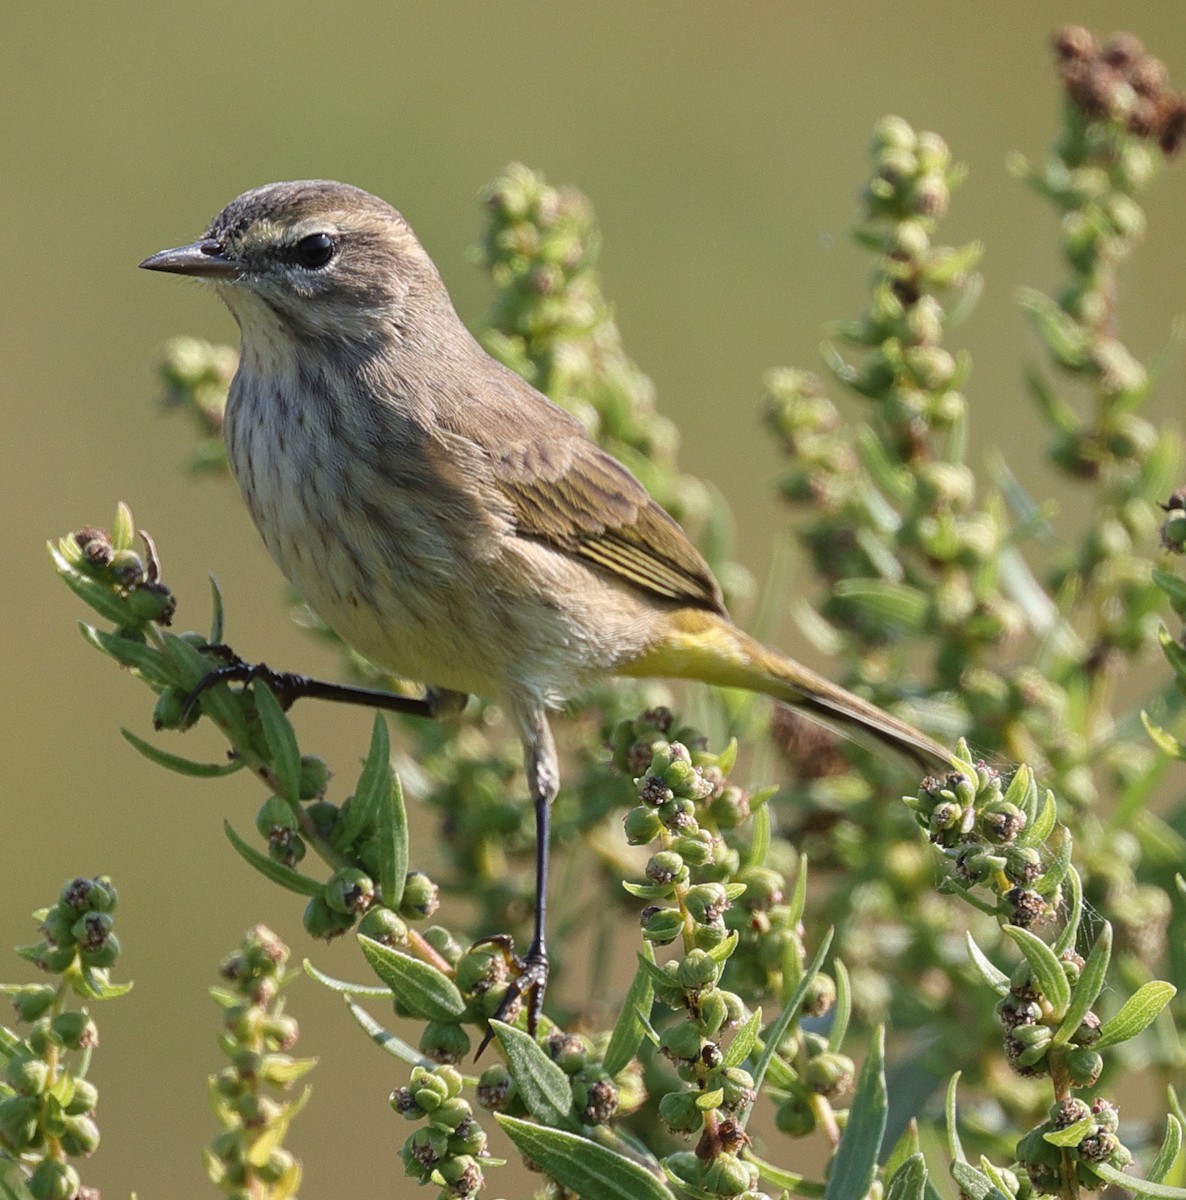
point(446, 519)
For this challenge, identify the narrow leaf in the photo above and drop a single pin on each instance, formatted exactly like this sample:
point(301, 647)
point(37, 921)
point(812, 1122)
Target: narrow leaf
point(629, 1029)
point(542, 1085)
point(909, 1181)
point(286, 877)
point(743, 1041)
point(974, 1183)
point(393, 844)
point(375, 778)
point(1073, 902)
point(955, 1148)
point(1138, 1012)
point(183, 766)
point(782, 1022)
point(1047, 972)
point(1171, 1147)
point(1089, 986)
point(217, 702)
point(423, 990)
point(854, 1165)
point(997, 980)
point(792, 1181)
point(217, 615)
point(842, 1009)
point(1138, 1187)
point(342, 986)
point(284, 754)
point(582, 1166)
point(137, 656)
point(386, 1040)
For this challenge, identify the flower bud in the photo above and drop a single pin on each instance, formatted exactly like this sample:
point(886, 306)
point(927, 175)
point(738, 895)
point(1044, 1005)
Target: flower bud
point(444, 1042)
point(421, 897)
point(698, 970)
point(349, 891)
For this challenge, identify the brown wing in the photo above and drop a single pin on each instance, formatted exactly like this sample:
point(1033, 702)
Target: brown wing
point(568, 492)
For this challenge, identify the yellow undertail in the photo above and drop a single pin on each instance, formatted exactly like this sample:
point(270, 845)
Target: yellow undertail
point(702, 645)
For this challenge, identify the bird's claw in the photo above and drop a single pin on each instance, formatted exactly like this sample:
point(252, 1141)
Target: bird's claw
point(528, 985)
point(284, 685)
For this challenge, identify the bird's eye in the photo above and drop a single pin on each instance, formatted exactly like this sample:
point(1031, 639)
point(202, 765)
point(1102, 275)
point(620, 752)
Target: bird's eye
point(315, 250)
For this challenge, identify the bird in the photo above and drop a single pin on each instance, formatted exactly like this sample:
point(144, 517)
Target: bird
point(447, 520)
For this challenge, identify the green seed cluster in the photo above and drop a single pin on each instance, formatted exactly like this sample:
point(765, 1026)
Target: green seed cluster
point(447, 1150)
point(246, 1160)
point(47, 1105)
point(987, 834)
point(686, 805)
point(1084, 1133)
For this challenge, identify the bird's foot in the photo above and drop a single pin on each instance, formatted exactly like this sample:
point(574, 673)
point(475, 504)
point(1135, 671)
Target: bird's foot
point(528, 985)
point(286, 686)
point(289, 687)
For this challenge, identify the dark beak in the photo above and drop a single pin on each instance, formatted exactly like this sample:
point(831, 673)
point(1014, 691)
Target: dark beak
point(204, 258)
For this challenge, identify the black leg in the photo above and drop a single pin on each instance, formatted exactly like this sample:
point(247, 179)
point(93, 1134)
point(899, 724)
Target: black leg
point(289, 688)
point(543, 778)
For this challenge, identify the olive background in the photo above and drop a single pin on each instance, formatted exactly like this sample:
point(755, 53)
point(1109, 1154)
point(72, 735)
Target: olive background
point(722, 146)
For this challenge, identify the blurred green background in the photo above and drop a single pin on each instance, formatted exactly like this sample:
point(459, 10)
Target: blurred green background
point(722, 146)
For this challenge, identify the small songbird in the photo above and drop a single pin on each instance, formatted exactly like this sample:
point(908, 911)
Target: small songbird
point(446, 519)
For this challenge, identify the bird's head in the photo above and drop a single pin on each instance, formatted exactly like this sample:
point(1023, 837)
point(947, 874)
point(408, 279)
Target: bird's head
point(311, 259)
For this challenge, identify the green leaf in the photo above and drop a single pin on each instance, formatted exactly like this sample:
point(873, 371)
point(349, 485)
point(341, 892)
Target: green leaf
point(93, 593)
point(1089, 986)
point(93, 984)
point(1073, 907)
point(1070, 1135)
point(909, 1181)
point(217, 614)
point(1060, 333)
point(1056, 871)
point(894, 606)
point(542, 1085)
point(342, 986)
point(183, 766)
point(286, 877)
point(1175, 653)
point(649, 891)
point(1138, 1012)
point(842, 1009)
point(955, 1148)
point(1174, 589)
point(743, 1041)
point(123, 531)
point(393, 844)
point(1163, 739)
point(217, 702)
point(974, 1183)
point(854, 1165)
point(630, 1027)
point(375, 779)
point(423, 990)
point(792, 1181)
point(1138, 1187)
point(798, 900)
point(582, 1166)
point(1048, 976)
point(137, 656)
point(1042, 826)
point(386, 1040)
point(1171, 1147)
point(284, 754)
point(790, 1010)
point(723, 949)
point(759, 845)
point(997, 980)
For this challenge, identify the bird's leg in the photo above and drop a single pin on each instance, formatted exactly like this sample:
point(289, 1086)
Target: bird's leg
point(543, 781)
point(288, 688)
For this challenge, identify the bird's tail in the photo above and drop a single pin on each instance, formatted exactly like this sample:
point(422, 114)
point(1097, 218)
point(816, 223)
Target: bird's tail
point(701, 645)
